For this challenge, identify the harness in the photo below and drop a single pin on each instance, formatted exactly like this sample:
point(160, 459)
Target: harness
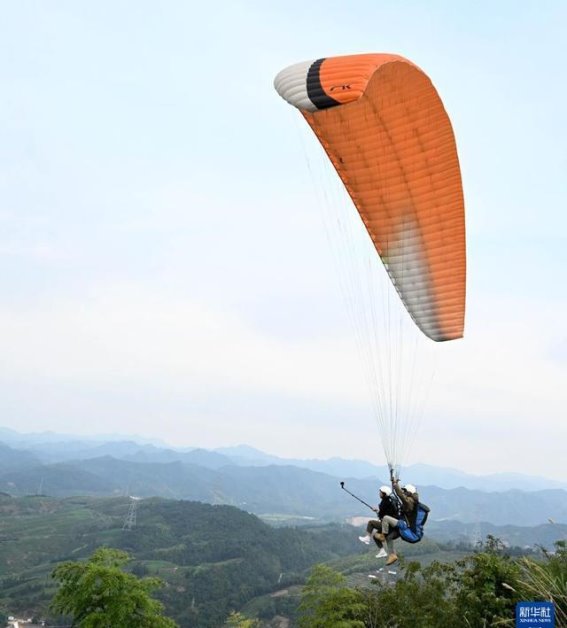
point(414, 534)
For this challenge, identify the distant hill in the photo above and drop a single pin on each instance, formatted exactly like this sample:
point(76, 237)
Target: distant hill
point(52, 448)
point(287, 491)
point(420, 474)
point(59, 480)
point(26, 439)
point(544, 535)
point(15, 460)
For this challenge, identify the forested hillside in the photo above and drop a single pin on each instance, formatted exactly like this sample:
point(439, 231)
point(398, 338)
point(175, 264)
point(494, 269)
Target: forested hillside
point(272, 490)
point(213, 558)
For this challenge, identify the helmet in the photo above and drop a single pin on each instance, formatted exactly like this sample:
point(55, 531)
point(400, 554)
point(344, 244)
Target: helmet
point(386, 490)
point(409, 488)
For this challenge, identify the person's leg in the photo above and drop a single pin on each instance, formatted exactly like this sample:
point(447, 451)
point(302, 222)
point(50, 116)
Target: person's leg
point(389, 525)
point(379, 544)
point(377, 530)
point(388, 522)
point(371, 526)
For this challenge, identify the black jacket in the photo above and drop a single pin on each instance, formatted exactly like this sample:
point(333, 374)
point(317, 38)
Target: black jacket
point(388, 506)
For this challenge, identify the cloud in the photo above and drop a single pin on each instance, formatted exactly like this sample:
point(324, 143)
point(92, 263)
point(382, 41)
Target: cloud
point(502, 367)
point(136, 335)
point(39, 251)
point(151, 361)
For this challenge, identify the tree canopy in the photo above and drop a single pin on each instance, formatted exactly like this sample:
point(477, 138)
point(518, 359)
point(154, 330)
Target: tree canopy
point(478, 591)
point(98, 593)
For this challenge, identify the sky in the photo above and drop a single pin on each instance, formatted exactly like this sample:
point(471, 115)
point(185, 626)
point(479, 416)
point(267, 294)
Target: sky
point(164, 268)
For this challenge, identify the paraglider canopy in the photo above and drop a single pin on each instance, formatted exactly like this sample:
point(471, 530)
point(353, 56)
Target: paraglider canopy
point(384, 128)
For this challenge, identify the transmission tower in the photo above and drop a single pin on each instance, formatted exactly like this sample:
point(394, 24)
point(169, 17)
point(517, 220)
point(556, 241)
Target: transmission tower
point(130, 520)
point(475, 536)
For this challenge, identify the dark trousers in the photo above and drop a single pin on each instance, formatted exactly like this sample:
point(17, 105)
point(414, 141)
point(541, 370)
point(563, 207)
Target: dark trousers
point(374, 525)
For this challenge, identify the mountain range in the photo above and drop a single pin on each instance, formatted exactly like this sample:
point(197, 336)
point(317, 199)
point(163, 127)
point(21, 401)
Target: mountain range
point(49, 447)
point(257, 482)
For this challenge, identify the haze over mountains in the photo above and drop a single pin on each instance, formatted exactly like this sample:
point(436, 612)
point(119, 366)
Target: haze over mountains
point(280, 490)
point(48, 447)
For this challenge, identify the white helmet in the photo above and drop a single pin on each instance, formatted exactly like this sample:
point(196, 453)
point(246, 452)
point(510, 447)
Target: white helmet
point(386, 490)
point(409, 488)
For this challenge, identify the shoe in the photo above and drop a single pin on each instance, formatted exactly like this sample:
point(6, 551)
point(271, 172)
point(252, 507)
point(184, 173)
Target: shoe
point(382, 553)
point(364, 539)
point(392, 558)
point(381, 537)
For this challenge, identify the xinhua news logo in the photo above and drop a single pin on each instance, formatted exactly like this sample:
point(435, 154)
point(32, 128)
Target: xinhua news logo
point(535, 614)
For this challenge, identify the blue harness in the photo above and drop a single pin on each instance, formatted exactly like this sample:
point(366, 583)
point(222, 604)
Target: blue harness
point(414, 534)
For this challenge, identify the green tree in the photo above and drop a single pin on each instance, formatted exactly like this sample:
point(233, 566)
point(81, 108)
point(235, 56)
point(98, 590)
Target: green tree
point(421, 599)
point(98, 593)
point(487, 586)
point(547, 581)
point(477, 592)
point(327, 601)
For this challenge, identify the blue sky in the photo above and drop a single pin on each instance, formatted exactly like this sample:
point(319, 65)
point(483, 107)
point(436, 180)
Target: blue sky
point(163, 266)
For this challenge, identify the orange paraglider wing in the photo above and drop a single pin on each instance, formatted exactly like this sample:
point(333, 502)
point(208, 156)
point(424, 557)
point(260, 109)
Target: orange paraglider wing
point(385, 129)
